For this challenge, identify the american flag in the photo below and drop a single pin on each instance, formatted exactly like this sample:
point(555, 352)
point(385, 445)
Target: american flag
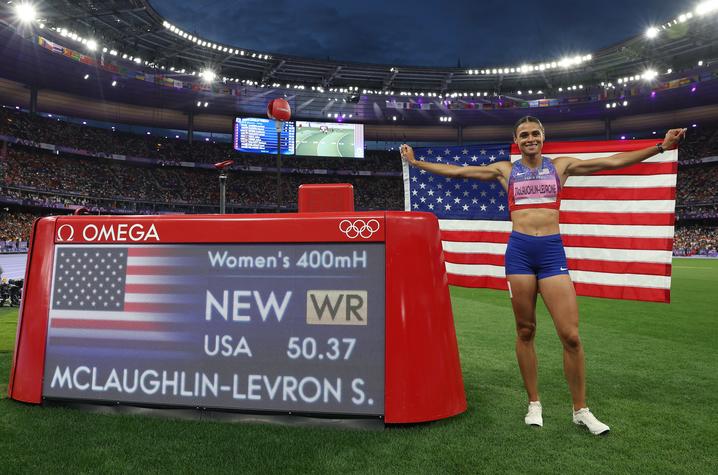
point(617, 225)
point(131, 300)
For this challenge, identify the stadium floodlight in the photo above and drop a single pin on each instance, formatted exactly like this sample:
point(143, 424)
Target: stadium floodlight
point(650, 75)
point(26, 12)
point(208, 75)
point(652, 32)
point(706, 7)
point(114, 83)
point(92, 45)
point(86, 76)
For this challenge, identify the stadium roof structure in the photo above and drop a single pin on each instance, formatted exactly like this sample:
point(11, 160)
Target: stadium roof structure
point(125, 40)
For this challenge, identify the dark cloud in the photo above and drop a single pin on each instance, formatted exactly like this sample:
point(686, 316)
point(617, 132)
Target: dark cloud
point(420, 32)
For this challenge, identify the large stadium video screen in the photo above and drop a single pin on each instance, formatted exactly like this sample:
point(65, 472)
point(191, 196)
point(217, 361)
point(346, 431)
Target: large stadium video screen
point(260, 136)
point(330, 139)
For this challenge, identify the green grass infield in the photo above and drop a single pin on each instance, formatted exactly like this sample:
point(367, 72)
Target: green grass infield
point(651, 370)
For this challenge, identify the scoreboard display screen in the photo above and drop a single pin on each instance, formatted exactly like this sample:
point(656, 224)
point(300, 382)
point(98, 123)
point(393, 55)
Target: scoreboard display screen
point(330, 139)
point(269, 327)
point(258, 135)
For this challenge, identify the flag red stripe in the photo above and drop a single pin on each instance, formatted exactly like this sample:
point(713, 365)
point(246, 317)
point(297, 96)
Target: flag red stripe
point(475, 236)
point(157, 289)
point(607, 242)
point(155, 307)
point(602, 193)
point(620, 292)
point(650, 168)
point(592, 265)
point(606, 146)
point(107, 324)
point(498, 283)
point(478, 258)
point(637, 243)
point(585, 290)
point(646, 219)
point(149, 251)
point(618, 267)
point(161, 270)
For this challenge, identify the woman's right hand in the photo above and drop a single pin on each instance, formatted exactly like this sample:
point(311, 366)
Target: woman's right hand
point(407, 153)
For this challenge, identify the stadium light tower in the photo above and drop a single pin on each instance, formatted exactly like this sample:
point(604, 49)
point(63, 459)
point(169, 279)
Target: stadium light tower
point(26, 12)
point(651, 32)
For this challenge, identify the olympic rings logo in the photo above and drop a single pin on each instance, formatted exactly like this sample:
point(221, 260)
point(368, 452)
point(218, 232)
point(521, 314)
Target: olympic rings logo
point(359, 228)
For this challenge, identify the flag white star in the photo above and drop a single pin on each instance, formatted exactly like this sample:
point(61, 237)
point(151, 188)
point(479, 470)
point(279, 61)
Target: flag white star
point(466, 193)
point(439, 186)
point(465, 207)
point(502, 207)
point(483, 193)
point(483, 207)
point(457, 200)
point(493, 201)
point(422, 158)
point(422, 199)
point(430, 152)
point(501, 152)
point(492, 157)
point(474, 201)
point(493, 185)
point(431, 193)
point(431, 206)
point(447, 207)
point(414, 179)
point(457, 186)
point(483, 152)
point(474, 158)
point(465, 152)
point(447, 151)
point(422, 185)
point(439, 199)
point(457, 158)
point(414, 192)
point(431, 178)
point(416, 206)
point(475, 186)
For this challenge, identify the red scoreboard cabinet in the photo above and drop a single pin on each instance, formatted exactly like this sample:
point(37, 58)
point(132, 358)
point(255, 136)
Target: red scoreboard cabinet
point(326, 314)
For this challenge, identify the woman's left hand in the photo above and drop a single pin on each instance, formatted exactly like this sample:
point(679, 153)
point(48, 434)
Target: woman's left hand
point(673, 137)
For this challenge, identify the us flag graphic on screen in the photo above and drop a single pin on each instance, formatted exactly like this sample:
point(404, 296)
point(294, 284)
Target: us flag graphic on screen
point(616, 225)
point(123, 299)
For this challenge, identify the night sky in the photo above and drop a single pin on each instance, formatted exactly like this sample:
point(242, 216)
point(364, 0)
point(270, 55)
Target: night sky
point(420, 32)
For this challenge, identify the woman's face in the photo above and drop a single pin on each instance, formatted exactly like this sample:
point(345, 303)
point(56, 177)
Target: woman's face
point(529, 137)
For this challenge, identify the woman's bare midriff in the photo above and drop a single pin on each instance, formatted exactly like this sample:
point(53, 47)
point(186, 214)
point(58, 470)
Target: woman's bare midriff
point(536, 221)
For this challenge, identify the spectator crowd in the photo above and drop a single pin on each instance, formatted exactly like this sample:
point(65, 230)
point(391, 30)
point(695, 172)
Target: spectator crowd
point(696, 240)
point(45, 179)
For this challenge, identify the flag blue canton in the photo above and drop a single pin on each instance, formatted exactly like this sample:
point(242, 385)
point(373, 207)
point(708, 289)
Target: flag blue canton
point(459, 198)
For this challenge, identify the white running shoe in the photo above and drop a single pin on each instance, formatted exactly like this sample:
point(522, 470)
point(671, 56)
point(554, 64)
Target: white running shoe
point(583, 417)
point(533, 416)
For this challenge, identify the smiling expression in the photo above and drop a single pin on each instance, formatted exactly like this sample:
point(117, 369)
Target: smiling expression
point(529, 137)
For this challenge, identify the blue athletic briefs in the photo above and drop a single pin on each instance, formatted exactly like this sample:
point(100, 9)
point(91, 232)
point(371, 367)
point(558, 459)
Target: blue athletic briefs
point(542, 256)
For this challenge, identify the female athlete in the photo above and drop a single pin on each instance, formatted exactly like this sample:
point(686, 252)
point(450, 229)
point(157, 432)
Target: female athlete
point(535, 259)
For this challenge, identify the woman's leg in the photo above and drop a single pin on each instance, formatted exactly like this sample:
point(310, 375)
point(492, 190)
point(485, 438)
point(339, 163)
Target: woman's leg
point(523, 301)
point(559, 296)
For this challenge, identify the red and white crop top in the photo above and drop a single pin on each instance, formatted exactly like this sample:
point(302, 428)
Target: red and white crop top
point(534, 187)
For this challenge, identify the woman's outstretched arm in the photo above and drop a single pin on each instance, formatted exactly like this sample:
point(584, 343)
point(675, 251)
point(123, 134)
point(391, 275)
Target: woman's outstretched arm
point(489, 172)
point(574, 166)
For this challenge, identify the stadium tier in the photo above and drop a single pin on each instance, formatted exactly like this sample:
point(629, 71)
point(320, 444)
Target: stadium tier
point(124, 138)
